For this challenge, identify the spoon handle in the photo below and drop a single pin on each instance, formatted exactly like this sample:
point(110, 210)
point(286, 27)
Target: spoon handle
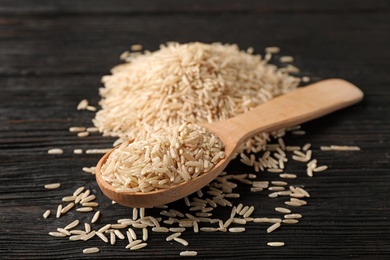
point(291, 109)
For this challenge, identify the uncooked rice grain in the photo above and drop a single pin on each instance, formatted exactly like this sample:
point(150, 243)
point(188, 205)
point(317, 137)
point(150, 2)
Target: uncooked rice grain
point(136, 47)
point(302, 191)
point(72, 224)
point(76, 129)
point(273, 195)
point(78, 191)
point(119, 234)
point(305, 79)
point(290, 221)
point(282, 210)
point(139, 225)
point(181, 241)
point(59, 209)
point(52, 186)
point(84, 209)
point(294, 204)
point(55, 151)
point(340, 148)
point(274, 220)
point(298, 132)
point(139, 246)
point(104, 228)
point(145, 234)
point(69, 198)
point(112, 238)
point(83, 104)
point(89, 235)
point(279, 183)
point(296, 215)
point(272, 49)
point(320, 168)
point(249, 212)
point(97, 151)
point(92, 129)
point(276, 188)
point(237, 229)
point(177, 229)
point(208, 229)
point(288, 175)
point(46, 214)
point(118, 226)
point(134, 243)
point(76, 237)
point(91, 250)
point(286, 59)
point(273, 227)
point(57, 234)
point(85, 194)
point(302, 202)
point(91, 108)
point(87, 199)
point(188, 253)
point(239, 221)
point(275, 244)
point(95, 216)
point(67, 208)
point(293, 148)
point(82, 134)
point(90, 204)
point(132, 233)
point(102, 237)
point(64, 231)
point(160, 229)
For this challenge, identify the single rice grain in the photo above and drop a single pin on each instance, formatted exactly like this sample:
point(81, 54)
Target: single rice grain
point(46, 214)
point(91, 250)
point(55, 151)
point(52, 186)
point(275, 244)
point(188, 253)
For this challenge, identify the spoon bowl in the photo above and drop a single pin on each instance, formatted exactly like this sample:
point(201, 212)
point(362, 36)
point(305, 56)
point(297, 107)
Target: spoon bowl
point(296, 107)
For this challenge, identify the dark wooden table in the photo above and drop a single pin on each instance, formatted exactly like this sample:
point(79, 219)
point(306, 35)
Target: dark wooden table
point(53, 54)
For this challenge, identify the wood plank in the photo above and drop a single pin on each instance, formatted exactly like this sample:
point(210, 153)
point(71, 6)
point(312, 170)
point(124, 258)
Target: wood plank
point(186, 6)
point(91, 45)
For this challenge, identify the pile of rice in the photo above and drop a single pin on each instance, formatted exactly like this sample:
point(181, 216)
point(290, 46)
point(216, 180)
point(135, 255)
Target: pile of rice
point(181, 83)
point(163, 158)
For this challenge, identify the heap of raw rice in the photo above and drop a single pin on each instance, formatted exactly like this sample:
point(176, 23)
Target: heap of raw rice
point(192, 82)
point(163, 158)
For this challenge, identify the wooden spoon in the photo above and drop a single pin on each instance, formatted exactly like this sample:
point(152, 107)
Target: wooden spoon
point(294, 108)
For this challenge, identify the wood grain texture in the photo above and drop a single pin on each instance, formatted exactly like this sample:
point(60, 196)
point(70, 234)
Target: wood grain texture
point(52, 55)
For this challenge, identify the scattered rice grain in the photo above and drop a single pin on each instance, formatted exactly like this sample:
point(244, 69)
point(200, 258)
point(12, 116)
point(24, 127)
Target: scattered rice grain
point(91, 250)
point(46, 214)
point(102, 237)
point(52, 186)
point(273, 227)
point(188, 253)
point(275, 244)
point(59, 209)
point(237, 229)
point(84, 209)
point(55, 151)
point(282, 210)
point(181, 241)
point(139, 246)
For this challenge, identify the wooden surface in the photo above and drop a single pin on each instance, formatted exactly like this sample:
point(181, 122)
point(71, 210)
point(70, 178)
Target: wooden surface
point(53, 54)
